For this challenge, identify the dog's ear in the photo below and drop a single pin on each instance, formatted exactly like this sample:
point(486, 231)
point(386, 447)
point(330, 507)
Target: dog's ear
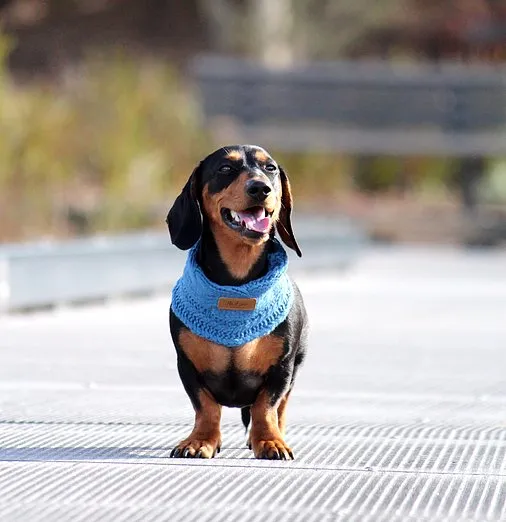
point(284, 224)
point(184, 218)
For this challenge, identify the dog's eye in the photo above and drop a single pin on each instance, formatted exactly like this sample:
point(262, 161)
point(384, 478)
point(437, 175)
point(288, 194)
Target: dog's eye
point(225, 169)
point(271, 167)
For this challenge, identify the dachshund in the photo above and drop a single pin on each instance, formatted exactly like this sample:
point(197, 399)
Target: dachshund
point(228, 212)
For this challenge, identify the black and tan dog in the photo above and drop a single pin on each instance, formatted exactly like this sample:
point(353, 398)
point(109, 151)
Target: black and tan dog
point(233, 202)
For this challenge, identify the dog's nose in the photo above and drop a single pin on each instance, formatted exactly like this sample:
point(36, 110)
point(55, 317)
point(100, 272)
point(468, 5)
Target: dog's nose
point(258, 190)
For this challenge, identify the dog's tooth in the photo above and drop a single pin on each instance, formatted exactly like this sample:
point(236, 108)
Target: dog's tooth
point(235, 215)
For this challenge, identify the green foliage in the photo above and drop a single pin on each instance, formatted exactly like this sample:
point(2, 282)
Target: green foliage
point(111, 141)
point(107, 147)
point(376, 174)
point(316, 175)
point(493, 189)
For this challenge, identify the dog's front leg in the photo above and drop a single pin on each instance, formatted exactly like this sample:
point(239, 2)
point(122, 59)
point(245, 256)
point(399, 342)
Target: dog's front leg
point(266, 439)
point(205, 439)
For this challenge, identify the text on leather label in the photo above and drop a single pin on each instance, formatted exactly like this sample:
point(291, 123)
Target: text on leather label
point(237, 303)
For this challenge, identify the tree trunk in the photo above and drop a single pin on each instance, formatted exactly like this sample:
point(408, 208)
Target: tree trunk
point(271, 32)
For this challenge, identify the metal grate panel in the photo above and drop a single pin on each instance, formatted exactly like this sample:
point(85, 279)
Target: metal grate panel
point(147, 492)
point(390, 421)
point(406, 448)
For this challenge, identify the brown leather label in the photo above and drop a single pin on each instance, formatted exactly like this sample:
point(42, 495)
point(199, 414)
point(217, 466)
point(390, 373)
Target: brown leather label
point(237, 303)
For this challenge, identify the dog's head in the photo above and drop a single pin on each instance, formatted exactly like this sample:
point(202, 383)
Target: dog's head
point(242, 193)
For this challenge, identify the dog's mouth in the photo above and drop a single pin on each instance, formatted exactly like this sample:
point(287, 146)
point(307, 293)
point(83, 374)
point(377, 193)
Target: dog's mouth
point(253, 222)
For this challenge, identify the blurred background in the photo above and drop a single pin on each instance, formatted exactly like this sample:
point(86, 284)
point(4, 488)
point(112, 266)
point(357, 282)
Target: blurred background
point(390, 118)
point(391, 113)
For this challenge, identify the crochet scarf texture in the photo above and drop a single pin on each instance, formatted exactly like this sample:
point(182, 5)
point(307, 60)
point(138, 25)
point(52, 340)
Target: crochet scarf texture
point(195, 301)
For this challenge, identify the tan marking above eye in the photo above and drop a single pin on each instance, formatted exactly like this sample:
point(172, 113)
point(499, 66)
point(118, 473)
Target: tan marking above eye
point(261, 156)
point(234, 155)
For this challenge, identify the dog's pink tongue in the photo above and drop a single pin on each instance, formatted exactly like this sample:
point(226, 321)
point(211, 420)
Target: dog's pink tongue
point(256, 221)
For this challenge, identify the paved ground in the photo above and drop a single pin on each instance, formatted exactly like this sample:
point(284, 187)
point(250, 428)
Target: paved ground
point(399, 413)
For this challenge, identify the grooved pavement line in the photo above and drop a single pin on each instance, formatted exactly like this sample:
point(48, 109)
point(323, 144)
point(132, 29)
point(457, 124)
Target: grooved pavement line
point(399, 413)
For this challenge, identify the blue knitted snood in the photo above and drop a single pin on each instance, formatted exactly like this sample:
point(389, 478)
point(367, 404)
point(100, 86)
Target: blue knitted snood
point(195, 302)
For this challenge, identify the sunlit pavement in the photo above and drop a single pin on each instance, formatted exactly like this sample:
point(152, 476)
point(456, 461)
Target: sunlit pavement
point(399, 412)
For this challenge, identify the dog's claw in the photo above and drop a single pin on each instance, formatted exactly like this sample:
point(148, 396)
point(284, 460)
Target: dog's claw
point(195, 449)
point(273, 450)
point(176, 452)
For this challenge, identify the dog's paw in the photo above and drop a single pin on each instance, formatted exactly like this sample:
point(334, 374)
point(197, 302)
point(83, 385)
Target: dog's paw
point(272, 450)
point(196, 449)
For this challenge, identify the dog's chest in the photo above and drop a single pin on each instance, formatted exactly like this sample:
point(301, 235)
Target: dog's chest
point(233, 375)
point(257, 356)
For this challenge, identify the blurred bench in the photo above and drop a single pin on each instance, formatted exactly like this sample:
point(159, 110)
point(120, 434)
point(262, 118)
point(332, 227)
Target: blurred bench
point(366, 108)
